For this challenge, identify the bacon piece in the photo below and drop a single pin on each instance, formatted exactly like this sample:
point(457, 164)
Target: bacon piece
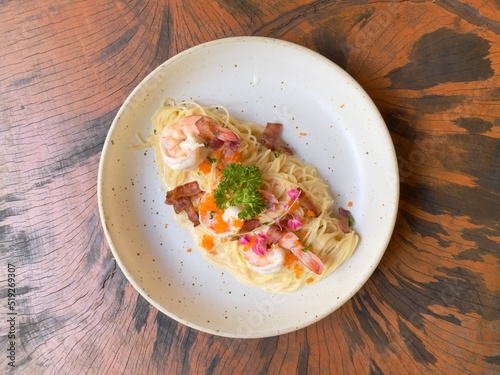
point(271, 200)
point(344, 216)
point(217, 137)
point(213, 132)
point(271, 138)
point(182, 199)
point(189, 189)
point(193, 215)
point(274, 233)
point(204, 126)
point(216, 143)
point(249, 225)
point(231, 146)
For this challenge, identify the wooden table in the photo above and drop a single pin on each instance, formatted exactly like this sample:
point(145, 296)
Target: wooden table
point(432, 68)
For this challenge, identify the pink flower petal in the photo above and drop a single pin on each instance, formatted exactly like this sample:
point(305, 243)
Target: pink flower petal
point(244, 240)
point(260, 245)
point(295, 223)
point(294, 193)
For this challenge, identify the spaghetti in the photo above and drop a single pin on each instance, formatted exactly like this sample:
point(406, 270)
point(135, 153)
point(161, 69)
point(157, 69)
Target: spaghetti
point(252, 208)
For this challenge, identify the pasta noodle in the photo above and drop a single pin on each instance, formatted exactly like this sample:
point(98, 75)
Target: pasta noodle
point(319, 234)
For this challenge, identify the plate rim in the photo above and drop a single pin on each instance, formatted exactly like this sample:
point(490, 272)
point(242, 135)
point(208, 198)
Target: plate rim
point(140, 86)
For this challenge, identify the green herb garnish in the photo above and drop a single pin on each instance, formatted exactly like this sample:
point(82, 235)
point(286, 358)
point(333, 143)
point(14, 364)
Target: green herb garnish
point(240, 186)
point(308, 247)
point(350, 221)
point(211, 160)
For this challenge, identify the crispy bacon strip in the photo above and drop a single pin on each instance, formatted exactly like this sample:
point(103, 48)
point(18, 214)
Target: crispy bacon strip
point(218, 137)
point(271, 138)
point(182, 199)
point(204, 127)
point(344, 216)
point(249, 225)
point(189, 189)
point(274, 233)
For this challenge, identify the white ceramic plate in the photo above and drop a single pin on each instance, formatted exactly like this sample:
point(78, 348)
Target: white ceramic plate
point(260, 80)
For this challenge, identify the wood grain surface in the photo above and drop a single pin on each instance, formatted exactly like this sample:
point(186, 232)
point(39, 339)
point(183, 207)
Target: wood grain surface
point(433, 70)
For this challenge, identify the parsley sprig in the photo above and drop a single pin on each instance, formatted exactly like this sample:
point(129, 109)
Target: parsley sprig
point(240, 186)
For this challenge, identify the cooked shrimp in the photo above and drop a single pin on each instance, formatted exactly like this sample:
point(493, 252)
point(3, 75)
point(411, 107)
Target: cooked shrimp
point(271, 262)
point(291, 242)
point(221, 223)
point(185, 144)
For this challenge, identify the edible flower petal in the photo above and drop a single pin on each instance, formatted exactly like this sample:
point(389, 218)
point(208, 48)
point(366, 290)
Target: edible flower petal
point(295, 223)
point(260, 245)
point(244, 240)
point(294, 193)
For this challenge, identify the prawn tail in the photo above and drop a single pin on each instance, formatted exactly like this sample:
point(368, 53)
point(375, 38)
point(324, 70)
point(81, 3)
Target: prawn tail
point(310, 260)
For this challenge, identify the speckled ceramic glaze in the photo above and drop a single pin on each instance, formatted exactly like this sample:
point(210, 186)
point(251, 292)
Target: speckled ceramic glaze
point(330, 122)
